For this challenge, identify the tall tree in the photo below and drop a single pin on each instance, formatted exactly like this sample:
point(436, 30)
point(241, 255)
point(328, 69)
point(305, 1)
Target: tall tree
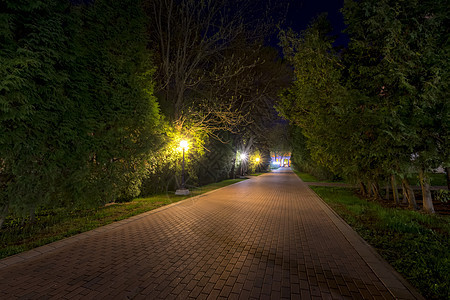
point(33, 71)
point(77, 113)
point(316, 100)
point(198, 45)
point(411, 70)
point(114, 85)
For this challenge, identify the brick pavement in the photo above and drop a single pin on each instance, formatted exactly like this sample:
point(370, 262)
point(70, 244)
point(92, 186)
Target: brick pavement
point(269, 237)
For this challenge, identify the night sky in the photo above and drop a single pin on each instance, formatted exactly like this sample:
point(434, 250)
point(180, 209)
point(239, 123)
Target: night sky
point(298, 14)
point(301, 12)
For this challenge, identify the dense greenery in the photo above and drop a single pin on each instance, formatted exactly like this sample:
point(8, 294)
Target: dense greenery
point(78, 115)
point(376, 112)
point(415, 244)
point(96, 96)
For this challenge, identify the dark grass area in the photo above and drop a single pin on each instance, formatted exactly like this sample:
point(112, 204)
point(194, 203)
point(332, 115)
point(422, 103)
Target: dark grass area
point(306, 177)
point(56, 224)
point(257, 174)
point(415, 244)
point(436, 179)
point(310, 178)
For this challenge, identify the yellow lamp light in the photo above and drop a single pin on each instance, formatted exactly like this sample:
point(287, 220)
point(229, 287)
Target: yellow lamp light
point(257, 159)
point(184, 144)
point(183, 190)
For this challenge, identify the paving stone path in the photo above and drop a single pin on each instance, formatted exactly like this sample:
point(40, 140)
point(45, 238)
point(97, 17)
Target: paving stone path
point(269, 237)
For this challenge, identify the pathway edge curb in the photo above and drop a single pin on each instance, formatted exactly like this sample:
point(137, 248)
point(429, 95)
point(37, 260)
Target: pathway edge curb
point(357, 242)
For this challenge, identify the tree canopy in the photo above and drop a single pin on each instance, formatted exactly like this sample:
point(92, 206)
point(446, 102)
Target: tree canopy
point(377, 110)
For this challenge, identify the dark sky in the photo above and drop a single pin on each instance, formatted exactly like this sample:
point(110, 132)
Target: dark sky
point(301, 12)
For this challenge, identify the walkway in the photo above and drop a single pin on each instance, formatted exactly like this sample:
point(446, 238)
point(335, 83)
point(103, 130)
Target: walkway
point(268, 237)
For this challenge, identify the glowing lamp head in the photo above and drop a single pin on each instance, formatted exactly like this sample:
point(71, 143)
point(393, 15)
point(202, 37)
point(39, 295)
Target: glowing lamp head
point(184, 144)
point(257, 159)
point(243, 156)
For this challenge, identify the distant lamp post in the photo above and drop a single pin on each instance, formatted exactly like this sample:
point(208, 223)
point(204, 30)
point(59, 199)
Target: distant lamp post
point(183, 190)
point(243, 158)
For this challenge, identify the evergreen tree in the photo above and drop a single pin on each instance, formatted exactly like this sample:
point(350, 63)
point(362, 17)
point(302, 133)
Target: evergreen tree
point(407, 71)
point(77, 112)
point(113, 85)
point(33, 70)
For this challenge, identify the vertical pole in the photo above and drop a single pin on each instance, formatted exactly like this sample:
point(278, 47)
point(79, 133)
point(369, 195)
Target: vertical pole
point(182, 173)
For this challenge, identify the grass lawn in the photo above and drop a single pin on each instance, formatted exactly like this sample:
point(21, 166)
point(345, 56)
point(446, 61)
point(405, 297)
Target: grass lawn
point(306, 177)
point(415, 244)
point(310, 178)
point(438, 179)
point(56, 224)
point(257, 173)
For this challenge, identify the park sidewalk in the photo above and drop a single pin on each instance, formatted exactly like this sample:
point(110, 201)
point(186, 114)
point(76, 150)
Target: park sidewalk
point(269, 237)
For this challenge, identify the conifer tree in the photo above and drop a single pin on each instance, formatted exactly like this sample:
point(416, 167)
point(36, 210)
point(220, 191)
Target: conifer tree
point(77, 108)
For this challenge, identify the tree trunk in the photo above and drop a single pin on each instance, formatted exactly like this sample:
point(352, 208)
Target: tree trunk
point(232, 174)
point(447, 171)
point(409, 194)
point(426, 194)
point(395, 190)
point(370, 189)
point(363, 188)
point(404, 193)
point(235, 149)
point(376, 190)
point(387, 191)
point(179, 100)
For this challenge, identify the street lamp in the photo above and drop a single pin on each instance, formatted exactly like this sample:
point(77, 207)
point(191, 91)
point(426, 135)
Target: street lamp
point(257, 159)
point(243, 157)
point(183, 190)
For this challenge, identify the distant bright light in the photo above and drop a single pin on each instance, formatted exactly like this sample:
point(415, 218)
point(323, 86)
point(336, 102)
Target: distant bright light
point(257, 159)
point(243, 156)
point(184, 144)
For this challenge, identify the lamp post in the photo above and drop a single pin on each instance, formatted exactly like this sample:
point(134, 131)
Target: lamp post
point(183, 190)
point(243, 157)
point(257, 163)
